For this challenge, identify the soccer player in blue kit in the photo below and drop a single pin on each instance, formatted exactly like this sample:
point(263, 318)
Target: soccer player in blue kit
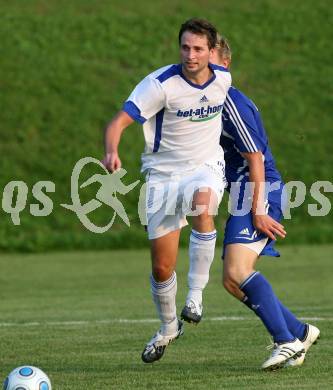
point(180, 108)
point(252, 233)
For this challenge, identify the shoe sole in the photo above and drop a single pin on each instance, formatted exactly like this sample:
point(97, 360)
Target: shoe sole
point(157, 357)
point(317, 340)
point(292, 363)
point(277, 366)
point(189, 317)
point(305, 353)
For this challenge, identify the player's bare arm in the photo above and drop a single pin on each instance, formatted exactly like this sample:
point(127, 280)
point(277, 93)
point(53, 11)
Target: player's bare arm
point(112, 137)
point(261, 220)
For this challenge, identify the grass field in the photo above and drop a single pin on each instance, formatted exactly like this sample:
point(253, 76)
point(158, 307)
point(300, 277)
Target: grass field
point(85, 317)
point(68, 65)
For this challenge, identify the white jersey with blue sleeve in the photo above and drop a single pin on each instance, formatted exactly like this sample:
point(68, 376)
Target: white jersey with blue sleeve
point(181, 120)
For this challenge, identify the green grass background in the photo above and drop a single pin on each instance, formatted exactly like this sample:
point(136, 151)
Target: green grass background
point(67, 66)
point(62, 312)
point(65, 69)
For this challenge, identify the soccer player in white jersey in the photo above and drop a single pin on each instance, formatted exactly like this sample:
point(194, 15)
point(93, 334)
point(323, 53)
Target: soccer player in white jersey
point(180, 108)
point(249, 159)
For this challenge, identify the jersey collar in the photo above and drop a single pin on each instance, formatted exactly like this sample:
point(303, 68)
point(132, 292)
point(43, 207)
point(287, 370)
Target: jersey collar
point(203, 86)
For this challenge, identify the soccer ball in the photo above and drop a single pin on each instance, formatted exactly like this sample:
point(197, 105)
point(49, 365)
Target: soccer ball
point(27, 378)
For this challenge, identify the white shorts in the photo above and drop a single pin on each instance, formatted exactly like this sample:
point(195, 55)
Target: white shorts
point(256, 246)
point(169, 196)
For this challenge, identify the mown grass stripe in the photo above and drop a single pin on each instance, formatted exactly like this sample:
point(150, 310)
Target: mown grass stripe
point(134, 321)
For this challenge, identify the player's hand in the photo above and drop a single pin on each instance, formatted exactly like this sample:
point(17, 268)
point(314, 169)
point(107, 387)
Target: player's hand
point(111, 162)
point(267, 225)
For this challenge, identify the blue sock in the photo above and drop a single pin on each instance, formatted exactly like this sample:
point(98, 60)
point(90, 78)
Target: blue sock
point(264, 303)
point(295, 326)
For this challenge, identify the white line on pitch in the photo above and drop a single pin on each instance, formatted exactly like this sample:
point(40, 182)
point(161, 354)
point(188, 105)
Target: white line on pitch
point(135, 321)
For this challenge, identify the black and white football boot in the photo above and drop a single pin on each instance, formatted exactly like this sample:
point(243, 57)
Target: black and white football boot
point(192, 312)
point(155, 348)
point(312, 335)
point(282, 353)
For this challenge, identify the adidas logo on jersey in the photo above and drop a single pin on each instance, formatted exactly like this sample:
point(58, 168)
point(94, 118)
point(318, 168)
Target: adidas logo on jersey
point(244, 232)
point(203, 99)
point(246, 235)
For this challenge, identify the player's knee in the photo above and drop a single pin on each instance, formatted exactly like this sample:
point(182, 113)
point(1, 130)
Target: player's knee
point(205, 203)
point(162, 272)
point(203, 222)
point(238, 272)
point(232, 277)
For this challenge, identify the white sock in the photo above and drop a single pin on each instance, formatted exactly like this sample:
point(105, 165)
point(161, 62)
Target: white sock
point(201, 252)
point(164, 296)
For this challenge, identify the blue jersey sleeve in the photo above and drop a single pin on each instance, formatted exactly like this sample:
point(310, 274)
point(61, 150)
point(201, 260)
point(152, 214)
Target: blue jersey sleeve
point(242, 119)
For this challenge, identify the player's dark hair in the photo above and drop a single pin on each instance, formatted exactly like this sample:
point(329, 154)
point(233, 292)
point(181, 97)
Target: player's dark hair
point(199, 27)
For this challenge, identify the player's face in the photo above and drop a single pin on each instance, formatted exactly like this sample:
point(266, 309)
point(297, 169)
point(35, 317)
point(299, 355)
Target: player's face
point(194, 52)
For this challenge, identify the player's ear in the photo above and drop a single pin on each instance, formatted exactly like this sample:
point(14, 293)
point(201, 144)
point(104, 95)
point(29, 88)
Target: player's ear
point(213, 56)
point(226, 63)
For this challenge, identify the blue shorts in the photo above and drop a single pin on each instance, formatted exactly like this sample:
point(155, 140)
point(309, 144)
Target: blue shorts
point(240, 229)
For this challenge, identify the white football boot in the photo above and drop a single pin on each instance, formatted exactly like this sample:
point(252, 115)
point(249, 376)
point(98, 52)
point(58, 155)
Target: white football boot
point(155, 348)
point(192, 312)
point(282, 353)
point(311, 337)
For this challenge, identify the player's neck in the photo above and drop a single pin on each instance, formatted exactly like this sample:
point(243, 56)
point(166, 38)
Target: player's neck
point(201, 77)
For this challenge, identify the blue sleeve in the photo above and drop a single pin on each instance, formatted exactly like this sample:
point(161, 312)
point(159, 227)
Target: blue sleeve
point(134, 112)
point(245, 127)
